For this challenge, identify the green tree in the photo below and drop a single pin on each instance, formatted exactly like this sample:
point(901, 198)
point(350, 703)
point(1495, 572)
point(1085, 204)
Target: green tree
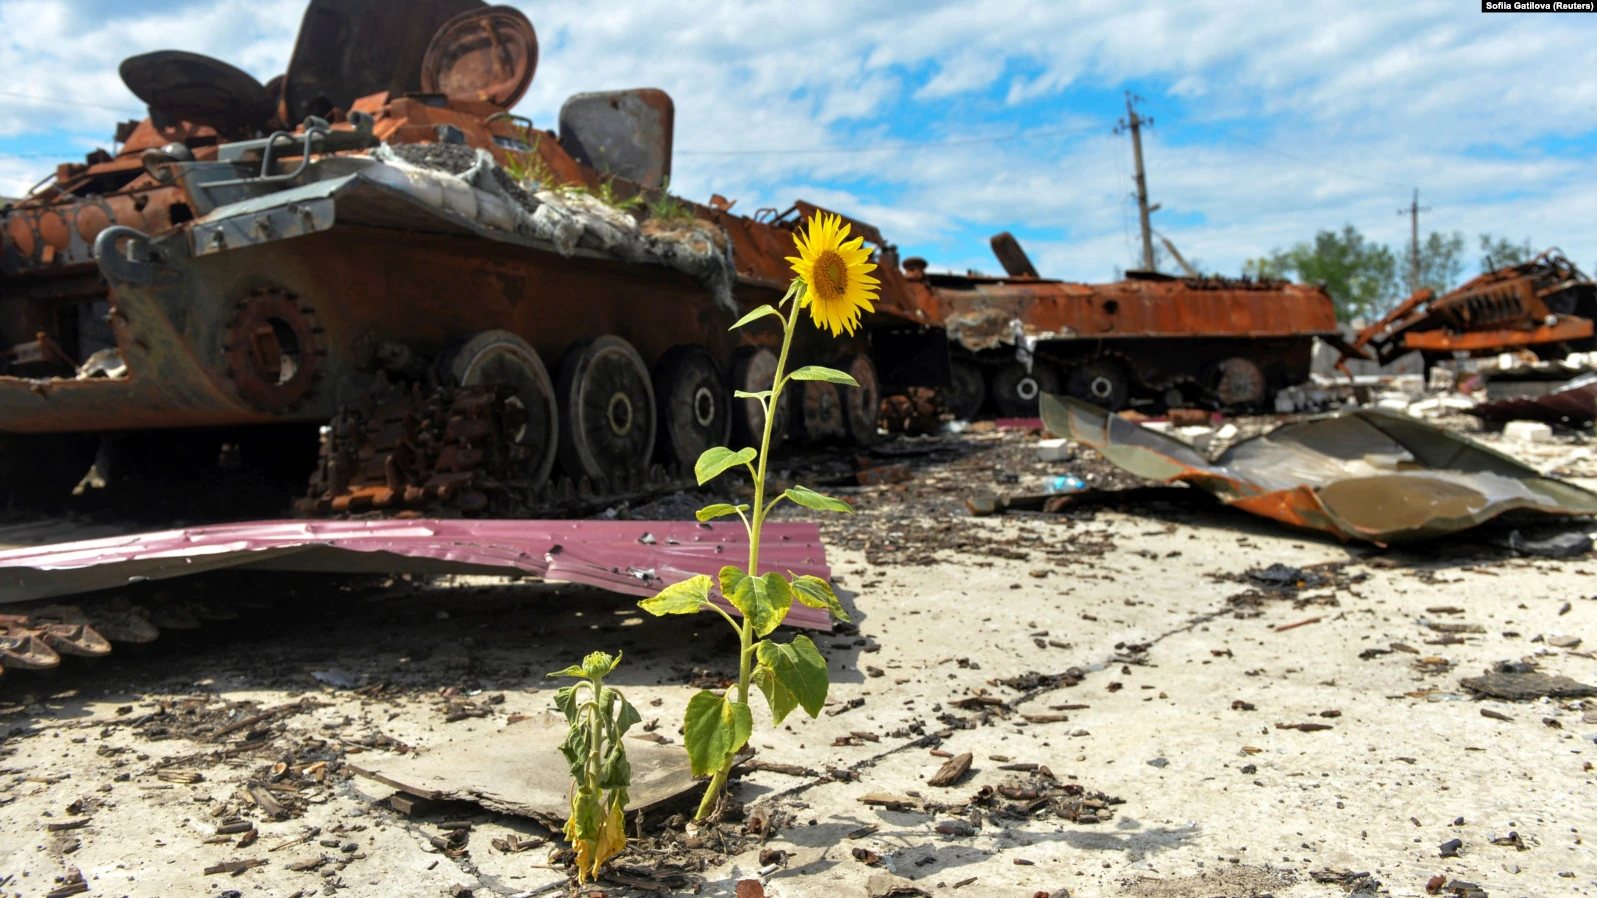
point(1441, 261)
point(1360, 275)
point(1500, 252)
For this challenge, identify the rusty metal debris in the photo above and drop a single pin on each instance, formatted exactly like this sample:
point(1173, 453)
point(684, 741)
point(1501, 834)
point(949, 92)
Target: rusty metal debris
point(1366, 475)
point(1573, 403)
point(1545, 305)
point(630, 557)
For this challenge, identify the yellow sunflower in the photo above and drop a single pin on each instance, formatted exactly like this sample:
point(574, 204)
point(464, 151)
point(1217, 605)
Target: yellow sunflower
point(836, 274)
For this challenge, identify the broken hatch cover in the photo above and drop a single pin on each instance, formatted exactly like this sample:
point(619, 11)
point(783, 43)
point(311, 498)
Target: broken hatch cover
point(348, 49)
point(188, 87)
point(1367, 474)
point(482, 54)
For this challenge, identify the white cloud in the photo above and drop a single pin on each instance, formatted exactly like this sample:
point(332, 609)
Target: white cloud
point(1352, 104)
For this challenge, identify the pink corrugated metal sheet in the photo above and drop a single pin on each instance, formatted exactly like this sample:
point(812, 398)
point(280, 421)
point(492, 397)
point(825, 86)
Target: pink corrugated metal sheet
point(633, 557)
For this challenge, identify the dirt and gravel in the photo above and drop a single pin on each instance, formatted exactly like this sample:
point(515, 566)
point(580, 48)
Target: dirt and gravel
point(1153, 698)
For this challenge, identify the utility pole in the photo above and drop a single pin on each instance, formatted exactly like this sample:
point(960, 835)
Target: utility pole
point(1413, 212)
point(1133, 123)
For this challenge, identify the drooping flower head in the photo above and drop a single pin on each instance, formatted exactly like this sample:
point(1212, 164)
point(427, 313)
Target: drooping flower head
point(835, 272)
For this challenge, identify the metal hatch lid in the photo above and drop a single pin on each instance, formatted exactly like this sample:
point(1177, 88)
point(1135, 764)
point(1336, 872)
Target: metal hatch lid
point(188, 87)
point(348, 49)
point(488, 55)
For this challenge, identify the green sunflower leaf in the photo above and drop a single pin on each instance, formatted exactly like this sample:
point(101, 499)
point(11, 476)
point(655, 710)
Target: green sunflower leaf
point(817, 593)
point(817, 372)
point(718, 510)
point(714, 461)
point(793, 675)
point(743, 394)
point(809, 498)
point(686, 597)
point(755, 315)
point(586, 816)
point(763, 600)
point(715, 728)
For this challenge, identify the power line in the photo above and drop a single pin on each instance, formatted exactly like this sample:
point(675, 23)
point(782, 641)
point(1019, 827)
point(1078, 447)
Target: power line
point(1282, 153)
point(965, 141)
point(60, 155)
point(61, 102)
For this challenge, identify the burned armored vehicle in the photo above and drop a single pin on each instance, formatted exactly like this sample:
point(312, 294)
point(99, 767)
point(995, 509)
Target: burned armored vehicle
point(1150, 340)
point(473, 312)
point(1545, 306)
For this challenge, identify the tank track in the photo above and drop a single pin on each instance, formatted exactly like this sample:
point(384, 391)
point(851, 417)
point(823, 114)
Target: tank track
point(447, 451)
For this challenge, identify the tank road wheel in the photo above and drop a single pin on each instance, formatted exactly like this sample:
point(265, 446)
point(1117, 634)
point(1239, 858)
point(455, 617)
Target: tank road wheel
point(1015, 390)
point(1236, 382)
point(862, 405)
point(695, 407)
point(752, 370)
point(606, 410)
point(1100, 382)
point(499, 356)
point(817, 411)
point(969, 389)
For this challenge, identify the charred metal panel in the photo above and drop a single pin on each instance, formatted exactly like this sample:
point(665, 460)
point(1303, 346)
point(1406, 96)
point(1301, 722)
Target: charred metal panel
point(188, 87)
point(1366, 475)
point(626, 133)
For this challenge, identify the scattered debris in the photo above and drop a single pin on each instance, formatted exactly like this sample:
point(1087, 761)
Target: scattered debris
point(1564, 545)
point(1510, 682)
point(952, 771)
point(886, 885)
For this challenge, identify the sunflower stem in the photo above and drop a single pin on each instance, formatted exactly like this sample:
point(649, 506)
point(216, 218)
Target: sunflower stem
point(746, 631)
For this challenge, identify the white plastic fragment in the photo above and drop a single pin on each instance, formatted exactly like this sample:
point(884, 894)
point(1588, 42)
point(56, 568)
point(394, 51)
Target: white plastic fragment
point(1054, 450)
point(1527, 432)
point(1196, 437)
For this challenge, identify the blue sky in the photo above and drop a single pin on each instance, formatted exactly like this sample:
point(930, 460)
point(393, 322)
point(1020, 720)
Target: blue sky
point(1271, 120)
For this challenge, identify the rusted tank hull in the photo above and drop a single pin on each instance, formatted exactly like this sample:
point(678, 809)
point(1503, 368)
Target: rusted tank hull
point(353, 289)
point(1201, 342)
point(1134, 309)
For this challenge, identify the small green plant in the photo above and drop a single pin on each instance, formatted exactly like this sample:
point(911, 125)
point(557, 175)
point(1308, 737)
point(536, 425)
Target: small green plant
point(607, 195)
point(531, 169)
point(834, 285)
point(667, 208)
point(598, 716)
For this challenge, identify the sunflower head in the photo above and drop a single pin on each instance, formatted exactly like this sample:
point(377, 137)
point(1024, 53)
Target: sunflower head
point(836, 274)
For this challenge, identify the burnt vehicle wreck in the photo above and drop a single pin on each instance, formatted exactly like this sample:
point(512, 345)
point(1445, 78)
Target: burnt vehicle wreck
point(474, 313)
point(1151, 339)
point(1545, 306)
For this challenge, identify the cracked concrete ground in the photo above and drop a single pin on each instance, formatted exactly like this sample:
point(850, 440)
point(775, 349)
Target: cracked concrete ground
point(1218, 797)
